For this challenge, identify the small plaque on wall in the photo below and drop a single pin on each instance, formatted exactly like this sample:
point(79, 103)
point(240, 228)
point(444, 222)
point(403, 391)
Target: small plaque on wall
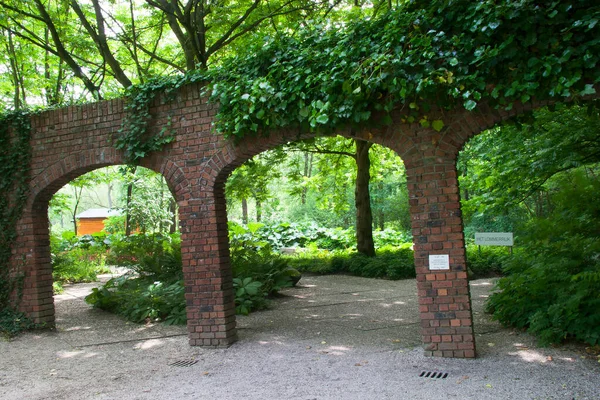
point(439, 261)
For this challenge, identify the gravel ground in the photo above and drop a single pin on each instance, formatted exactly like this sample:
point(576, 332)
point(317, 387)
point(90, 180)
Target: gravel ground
point(333, 337)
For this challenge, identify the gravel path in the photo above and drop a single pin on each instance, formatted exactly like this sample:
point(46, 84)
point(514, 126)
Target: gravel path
point(333, 337)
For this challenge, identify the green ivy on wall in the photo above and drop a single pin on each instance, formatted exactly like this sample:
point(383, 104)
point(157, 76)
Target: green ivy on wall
point(443, 54)
point(15, 157)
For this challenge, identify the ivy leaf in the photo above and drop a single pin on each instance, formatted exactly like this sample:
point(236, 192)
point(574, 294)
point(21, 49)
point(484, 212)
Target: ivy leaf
point(304, 112)
point(589, 89)
point(323, 119)
point(470, 105)
point(437, 124)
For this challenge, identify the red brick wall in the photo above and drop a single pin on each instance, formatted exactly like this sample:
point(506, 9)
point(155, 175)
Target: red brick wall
point(74, 140)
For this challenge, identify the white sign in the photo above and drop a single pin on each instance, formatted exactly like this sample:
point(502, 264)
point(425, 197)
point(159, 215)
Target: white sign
point(439, 261)
point(494, 239)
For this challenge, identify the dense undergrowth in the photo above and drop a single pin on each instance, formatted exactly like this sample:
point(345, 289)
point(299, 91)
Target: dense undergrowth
point(552, 286)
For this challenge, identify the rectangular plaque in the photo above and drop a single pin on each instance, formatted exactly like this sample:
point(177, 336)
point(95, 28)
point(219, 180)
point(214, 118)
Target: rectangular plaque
point(494, 239)
point(439, 261)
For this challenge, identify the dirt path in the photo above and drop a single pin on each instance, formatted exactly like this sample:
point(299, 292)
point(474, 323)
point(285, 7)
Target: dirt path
point(334, 337)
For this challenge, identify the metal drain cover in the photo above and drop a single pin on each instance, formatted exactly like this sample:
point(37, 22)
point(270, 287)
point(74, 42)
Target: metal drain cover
point(433, 374)
point(183, 363)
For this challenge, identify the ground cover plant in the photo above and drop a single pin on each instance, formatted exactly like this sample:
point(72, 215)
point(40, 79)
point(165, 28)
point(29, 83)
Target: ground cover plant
point(77, 259)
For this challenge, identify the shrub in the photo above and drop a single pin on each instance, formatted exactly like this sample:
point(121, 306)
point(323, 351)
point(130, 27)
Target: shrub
point(553, 291)
point(154, 290)
point(486, 261)
point(389, 263)
point(552, 287)
point(78, 265)
point(140, 299)
point(155, 255)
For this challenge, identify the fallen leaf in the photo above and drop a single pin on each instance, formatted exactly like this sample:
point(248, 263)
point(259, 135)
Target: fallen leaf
point(488, 386)
point(358, 365)
point(396, 341)
point(205, 373)
point(491, 344)
point(323, 342)
point(308, 347)
point(549, 358)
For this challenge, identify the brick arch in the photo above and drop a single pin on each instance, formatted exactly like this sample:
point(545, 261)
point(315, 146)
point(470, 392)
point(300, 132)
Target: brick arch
point(73, 140)
point(211, 304)
point(37, 299)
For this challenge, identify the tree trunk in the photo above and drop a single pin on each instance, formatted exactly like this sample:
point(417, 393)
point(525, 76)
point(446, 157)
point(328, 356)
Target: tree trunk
point(362, 199)
point(245, 211)
point(381, 220)
point(308, 160)
point(173, 209)
point(258, 210)
point(128, 203)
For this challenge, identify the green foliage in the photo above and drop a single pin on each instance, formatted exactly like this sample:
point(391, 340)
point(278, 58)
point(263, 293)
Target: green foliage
point(153, 255)
point(142, 299)
point(79, 265)
point(505, 170)
point(15, 155)
point(255, 259)
point(115, 224)
point(154, 290)
point(553, 285)
point(286, 234)
point(422, 54)
point(390, 262)
point(132, 138)
point(12, 323)
point(77, 258)
point(248, 295)
point(486, 261)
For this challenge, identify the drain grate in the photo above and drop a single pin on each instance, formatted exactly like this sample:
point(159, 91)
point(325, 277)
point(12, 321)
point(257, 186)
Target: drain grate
point(183, 363)
point(433, 374)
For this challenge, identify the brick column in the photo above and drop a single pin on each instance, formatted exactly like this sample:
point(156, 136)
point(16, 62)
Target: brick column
point(444, 298)
point(31, 264)
point(207, 271)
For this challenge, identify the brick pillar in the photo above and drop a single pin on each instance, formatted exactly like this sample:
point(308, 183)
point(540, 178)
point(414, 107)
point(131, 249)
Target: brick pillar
point(207, 271)
point(31, 261)
point(444, 298)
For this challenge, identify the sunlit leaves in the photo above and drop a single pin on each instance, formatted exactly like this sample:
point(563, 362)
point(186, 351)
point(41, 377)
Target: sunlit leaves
point(423, 54)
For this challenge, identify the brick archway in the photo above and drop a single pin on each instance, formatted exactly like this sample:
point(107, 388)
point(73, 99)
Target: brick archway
point(71, 141)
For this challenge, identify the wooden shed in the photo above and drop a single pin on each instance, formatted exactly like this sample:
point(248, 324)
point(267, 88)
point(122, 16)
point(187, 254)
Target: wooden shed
point(92, 220)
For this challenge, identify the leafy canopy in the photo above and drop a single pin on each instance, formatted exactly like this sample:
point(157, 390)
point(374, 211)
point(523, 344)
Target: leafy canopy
point(443, 54)
point(421, 55)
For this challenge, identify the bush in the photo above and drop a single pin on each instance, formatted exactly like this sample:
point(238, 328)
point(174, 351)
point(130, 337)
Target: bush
point(486, 261)
point(77, 258)
point(155, 292)
point(155, 254)
point(142, 300)
point(389, 263)
point(553, 291)
point(552, 287)
point(286, 234)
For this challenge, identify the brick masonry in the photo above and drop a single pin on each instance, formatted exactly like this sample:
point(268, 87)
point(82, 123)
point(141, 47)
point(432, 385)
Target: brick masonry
point(71, 141)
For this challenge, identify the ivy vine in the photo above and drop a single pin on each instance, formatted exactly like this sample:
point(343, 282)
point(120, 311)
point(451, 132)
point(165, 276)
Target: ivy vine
point(442, 54)
point(15, 160)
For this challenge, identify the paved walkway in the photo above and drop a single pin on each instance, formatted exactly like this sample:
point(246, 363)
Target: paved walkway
point(333, 337)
